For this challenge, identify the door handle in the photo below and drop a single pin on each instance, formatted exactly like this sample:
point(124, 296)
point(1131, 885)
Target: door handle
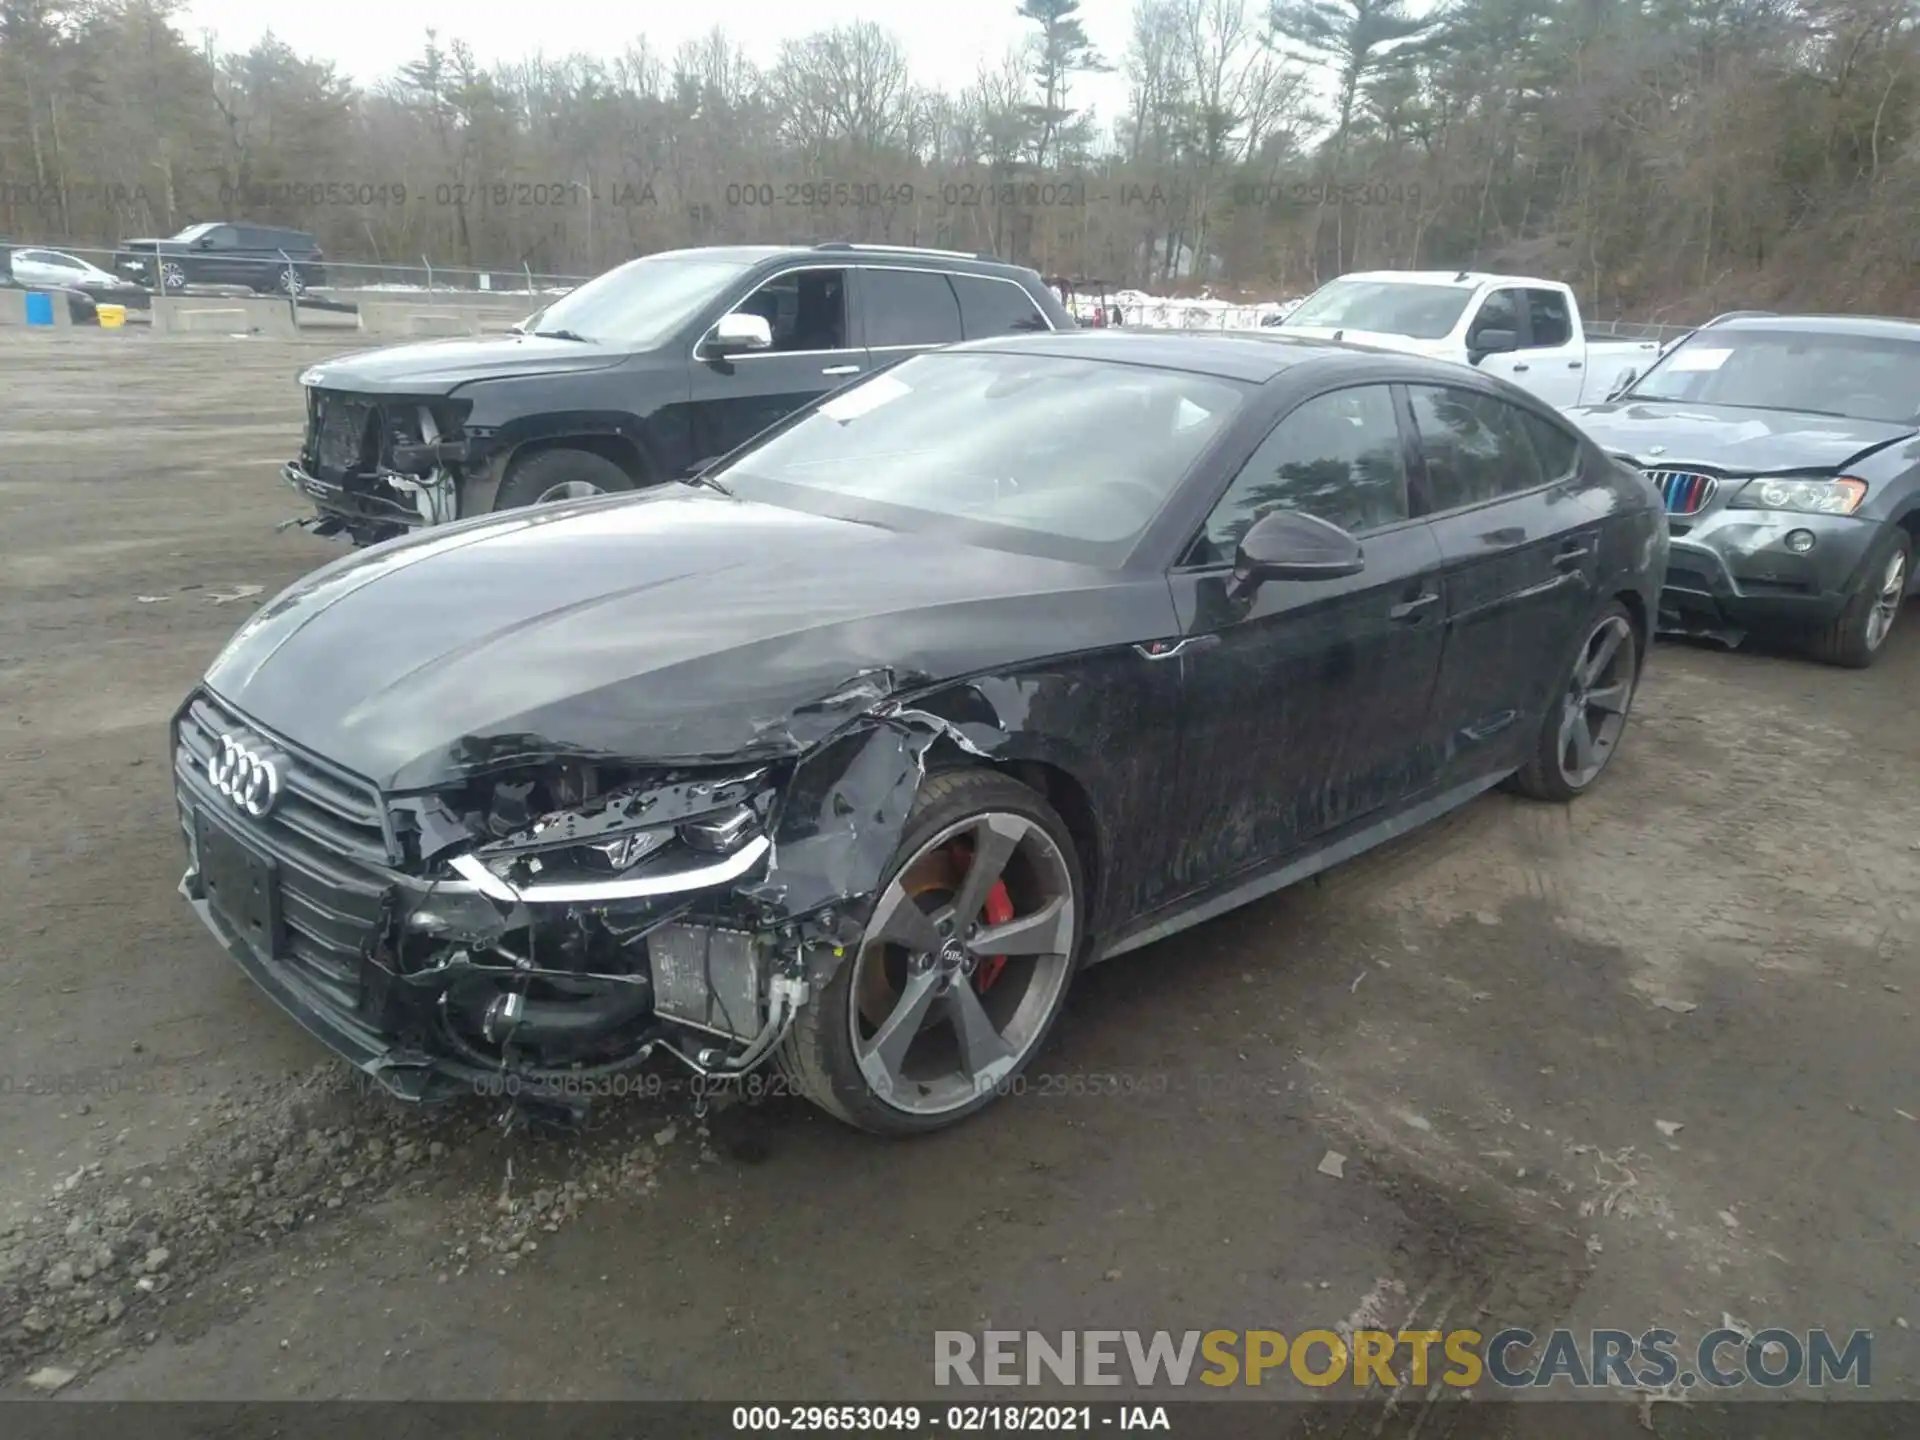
point(1519, 369)
point(1570, 556)
point(1167, 649)
point(841, 370)
point(1573, 364)
point(1411, 609)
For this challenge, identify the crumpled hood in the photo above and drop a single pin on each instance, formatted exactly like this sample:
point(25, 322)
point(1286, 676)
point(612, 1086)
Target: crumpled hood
point(1672, 433)
point(437, 367)
point(677, 625)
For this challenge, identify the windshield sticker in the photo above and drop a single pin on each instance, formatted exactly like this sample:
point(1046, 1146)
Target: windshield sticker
point(1696, 358)
point(1190, 415)
point(863, 399)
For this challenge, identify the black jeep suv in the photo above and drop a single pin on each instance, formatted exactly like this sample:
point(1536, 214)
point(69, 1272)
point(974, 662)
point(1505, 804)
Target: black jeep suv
point(637, 377)
point(261, 257)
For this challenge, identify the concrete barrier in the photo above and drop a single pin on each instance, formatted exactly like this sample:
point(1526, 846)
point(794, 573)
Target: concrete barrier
point(439, 322)
point(311, 319)
point(189, 321)
point(40, 309)
point(235, 316)
point(400, 317)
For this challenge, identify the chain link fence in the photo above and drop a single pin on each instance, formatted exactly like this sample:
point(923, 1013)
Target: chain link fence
point(202, 271)
point(187, 270)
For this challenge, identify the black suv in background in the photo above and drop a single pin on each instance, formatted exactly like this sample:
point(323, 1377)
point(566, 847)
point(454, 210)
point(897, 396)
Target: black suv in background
point(262, 257)
point(634, 378)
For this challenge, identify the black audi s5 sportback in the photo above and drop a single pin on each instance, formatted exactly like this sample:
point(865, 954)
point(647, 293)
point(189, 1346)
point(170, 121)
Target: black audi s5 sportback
point(845, 755)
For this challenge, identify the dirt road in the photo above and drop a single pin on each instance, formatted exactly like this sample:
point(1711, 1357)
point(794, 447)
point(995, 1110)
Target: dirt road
point(1648, 1061)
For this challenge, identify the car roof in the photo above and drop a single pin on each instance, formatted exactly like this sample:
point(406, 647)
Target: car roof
point(842, 252)
point(1883, 326)
point(1464, 279)
point(1255, 356)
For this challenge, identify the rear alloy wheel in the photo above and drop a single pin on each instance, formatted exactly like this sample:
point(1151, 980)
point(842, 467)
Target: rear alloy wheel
point(1857, 637)
point(1582, 731)
point(963, 967)
point(551, 476)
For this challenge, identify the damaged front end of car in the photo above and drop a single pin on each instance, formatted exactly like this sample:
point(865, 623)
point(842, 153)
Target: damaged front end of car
point(379, 466)
point(545, 919)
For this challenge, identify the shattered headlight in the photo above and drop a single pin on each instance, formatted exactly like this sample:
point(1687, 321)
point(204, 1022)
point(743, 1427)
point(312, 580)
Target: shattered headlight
point(718, 834)
point(1811, 497)
point(635, 862)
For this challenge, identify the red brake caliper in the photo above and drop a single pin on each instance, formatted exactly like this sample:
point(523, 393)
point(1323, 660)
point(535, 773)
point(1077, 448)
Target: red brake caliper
point(998, 910)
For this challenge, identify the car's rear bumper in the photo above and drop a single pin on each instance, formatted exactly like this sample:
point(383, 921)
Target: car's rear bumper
point(1734, 568)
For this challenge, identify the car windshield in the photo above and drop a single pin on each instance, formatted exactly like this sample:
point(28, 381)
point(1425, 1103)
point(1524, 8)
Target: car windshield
point(1036, 453)
point(641, 303)
point(1858, 377)
point(1386, 307)
point(194, 232)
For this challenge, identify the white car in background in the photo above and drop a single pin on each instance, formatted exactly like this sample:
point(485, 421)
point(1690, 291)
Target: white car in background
point(1518, 327)
point(57, 268)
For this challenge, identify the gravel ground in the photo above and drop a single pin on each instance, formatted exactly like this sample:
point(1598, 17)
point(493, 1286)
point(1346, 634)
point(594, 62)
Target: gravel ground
point(1647, 1061)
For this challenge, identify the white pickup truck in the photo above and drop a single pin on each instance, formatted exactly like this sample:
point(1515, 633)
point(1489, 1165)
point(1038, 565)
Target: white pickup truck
point(1518, 327)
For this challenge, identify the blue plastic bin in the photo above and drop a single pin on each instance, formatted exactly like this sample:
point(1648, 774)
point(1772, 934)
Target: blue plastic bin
point(39, 308)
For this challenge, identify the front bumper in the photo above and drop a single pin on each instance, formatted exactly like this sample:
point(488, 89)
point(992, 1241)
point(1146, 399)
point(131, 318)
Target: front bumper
point(340, 506)
point(442, 985)
point(404, 1071)
point(1733, 569)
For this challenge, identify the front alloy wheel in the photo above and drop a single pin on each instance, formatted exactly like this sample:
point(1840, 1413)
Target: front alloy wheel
point(550, 477)
point(173, 276)
point(1856, 638)
point(962, 969)
point(1886, 605)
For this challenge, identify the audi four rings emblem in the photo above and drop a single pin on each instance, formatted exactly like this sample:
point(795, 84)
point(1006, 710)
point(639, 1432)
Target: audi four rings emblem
point(250, 780)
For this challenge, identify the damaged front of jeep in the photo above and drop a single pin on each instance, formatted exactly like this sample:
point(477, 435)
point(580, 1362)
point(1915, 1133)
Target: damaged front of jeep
point(615, 792)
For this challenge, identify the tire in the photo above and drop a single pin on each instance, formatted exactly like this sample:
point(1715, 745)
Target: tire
point(1856, 639)
point(1553, 770)
point(828, 1056)
point(173, 276)
point(289, 282)
point(540, 478)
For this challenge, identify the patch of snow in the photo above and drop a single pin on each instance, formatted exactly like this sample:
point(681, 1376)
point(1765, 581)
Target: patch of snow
point(1140, 310)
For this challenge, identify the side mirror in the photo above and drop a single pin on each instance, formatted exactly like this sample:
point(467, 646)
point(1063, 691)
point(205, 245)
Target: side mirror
point(1622, 385)
point(739, 331)
point(205, 242)
point(1483, 343)
point(1292, 545)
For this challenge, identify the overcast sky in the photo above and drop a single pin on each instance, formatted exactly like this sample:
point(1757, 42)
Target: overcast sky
point(947, 40)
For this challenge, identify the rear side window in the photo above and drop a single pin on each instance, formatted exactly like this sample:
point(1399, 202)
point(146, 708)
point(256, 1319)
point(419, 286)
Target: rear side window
point(1552, 323)
point(909, 307)
point(1477, 446)
point(995, 307)
point(1559, 452)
